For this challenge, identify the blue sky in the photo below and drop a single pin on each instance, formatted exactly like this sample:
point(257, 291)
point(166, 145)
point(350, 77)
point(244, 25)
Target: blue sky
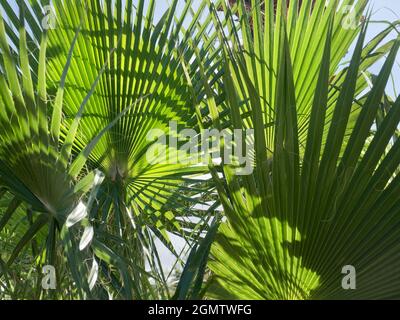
point(386, 10)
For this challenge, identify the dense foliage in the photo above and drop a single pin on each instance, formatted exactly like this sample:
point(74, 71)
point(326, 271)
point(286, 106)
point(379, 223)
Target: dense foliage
point(83, 82)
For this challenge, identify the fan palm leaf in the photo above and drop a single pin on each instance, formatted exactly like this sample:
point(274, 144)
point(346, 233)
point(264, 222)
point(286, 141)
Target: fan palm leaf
point(304, 215)
point(125, 78)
